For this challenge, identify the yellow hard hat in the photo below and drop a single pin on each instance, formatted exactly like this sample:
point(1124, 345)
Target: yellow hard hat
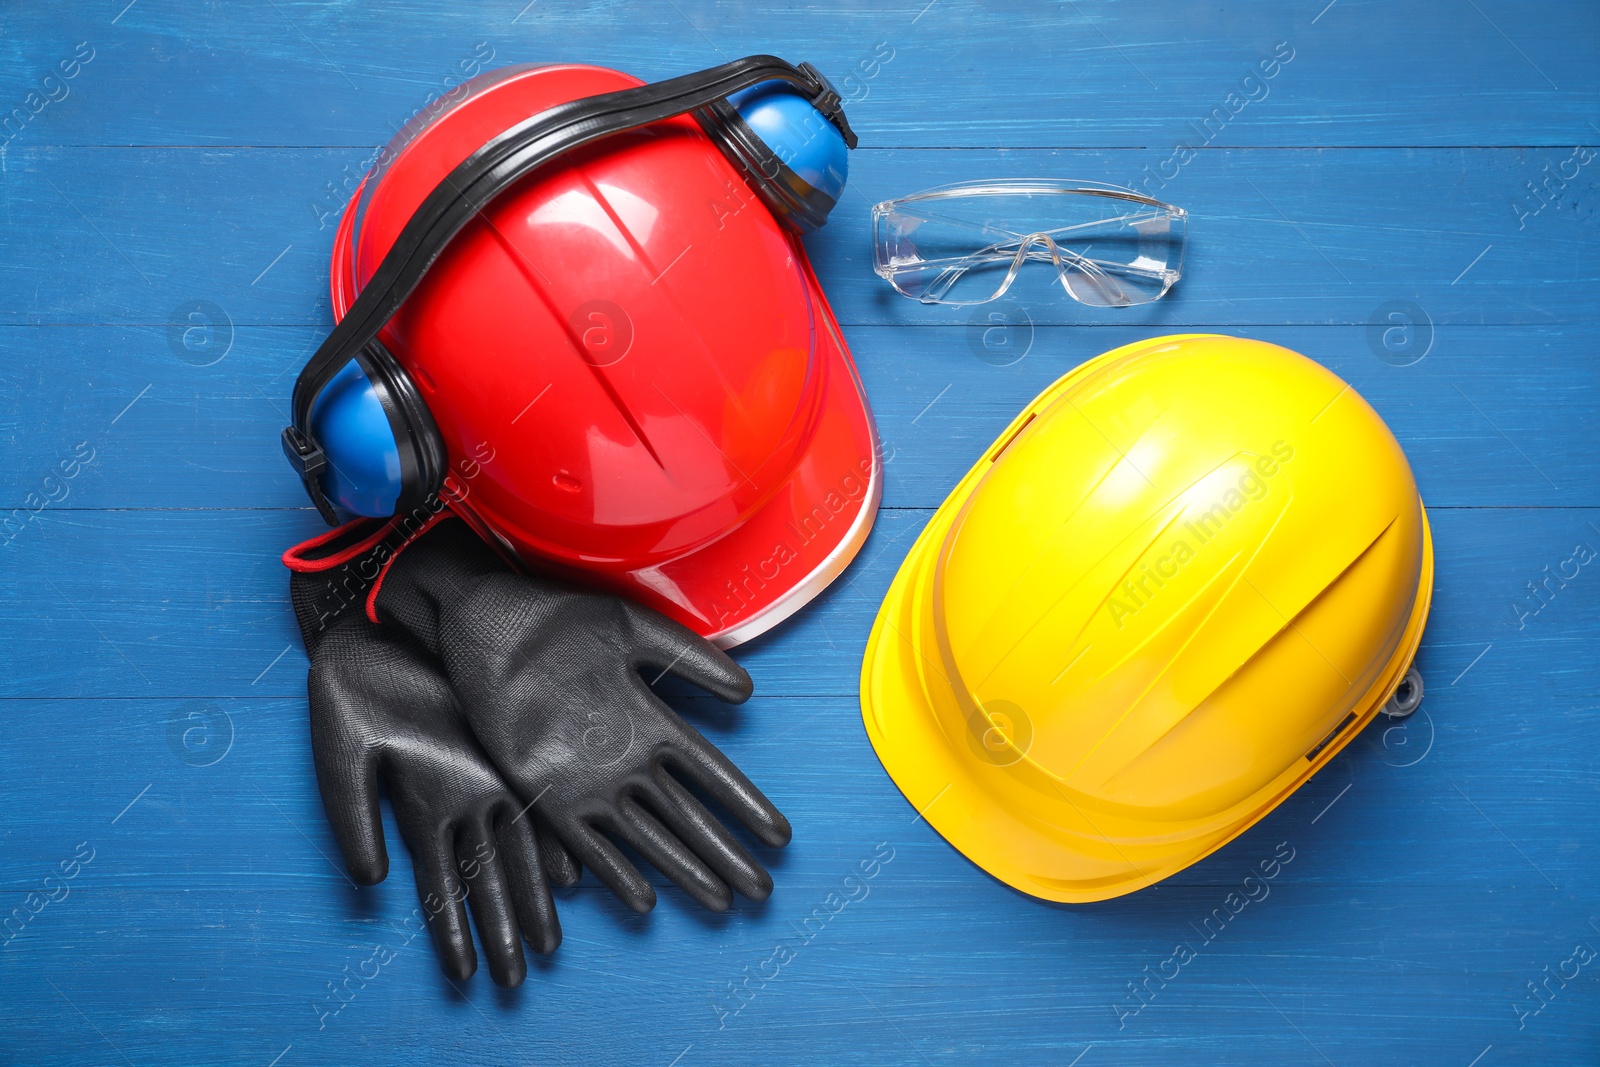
point(1180, 581)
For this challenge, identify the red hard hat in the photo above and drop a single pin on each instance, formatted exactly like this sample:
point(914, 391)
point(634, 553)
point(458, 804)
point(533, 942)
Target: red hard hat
point(635, 375)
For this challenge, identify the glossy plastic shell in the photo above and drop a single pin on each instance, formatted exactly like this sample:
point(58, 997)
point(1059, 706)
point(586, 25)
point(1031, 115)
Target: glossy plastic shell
point(636, 375)
point(1180, 582)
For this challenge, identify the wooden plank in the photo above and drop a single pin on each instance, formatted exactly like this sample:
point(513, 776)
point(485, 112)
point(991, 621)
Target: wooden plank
point(244, 990)
point(194, 604)
point(241, 914)
point(1416, 805)
point(1478, 427)
point(300, 72)
point(1277, 236)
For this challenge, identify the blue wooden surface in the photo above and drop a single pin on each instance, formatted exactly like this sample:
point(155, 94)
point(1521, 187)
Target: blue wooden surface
point(1438, 868)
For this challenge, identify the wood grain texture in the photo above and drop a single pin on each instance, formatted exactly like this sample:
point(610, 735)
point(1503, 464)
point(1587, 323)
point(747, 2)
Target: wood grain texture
point(968, 73)
point(1278, 236)
point(152, 685)
point(1478, 428)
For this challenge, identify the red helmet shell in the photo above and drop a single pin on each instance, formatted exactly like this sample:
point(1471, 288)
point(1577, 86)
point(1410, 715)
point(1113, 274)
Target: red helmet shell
point(644, 352)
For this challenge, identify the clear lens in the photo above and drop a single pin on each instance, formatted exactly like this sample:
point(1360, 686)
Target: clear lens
point(965, 244)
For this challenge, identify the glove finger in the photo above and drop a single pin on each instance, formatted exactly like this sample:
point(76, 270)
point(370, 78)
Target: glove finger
point(560, 866)
point(441, 894)
point(668, 855)
point(705, 764)
point(704, 833)
point(522, 850)
point(347, 777)
point(479, 864)
point(670, 647)
point(608, 864)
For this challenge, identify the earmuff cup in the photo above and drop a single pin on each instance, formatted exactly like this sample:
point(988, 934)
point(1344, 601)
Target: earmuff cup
point(373, 447)
point(384, 452)
point(423, 462)
point(787, 150)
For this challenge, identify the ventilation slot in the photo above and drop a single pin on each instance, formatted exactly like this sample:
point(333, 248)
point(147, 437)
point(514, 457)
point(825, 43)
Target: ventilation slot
point(1335, 732)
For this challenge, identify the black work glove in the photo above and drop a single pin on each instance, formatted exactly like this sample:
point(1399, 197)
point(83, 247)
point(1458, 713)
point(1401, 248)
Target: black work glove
point(381, 707)
point(549, 677)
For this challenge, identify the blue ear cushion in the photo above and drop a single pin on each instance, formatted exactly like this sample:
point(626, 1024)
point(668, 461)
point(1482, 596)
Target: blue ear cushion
point(797, 133)
point(349, 422)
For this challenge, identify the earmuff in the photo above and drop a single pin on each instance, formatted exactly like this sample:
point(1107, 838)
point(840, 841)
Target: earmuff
point(362, 436)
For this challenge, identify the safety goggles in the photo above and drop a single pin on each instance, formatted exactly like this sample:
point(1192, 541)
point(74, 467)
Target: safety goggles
point(965, 244)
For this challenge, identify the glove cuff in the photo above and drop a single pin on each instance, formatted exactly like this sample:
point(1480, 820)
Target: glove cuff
point(331, 573)
point(435, 568)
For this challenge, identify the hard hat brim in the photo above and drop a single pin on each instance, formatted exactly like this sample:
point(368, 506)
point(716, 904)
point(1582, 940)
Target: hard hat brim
point(823, 512)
